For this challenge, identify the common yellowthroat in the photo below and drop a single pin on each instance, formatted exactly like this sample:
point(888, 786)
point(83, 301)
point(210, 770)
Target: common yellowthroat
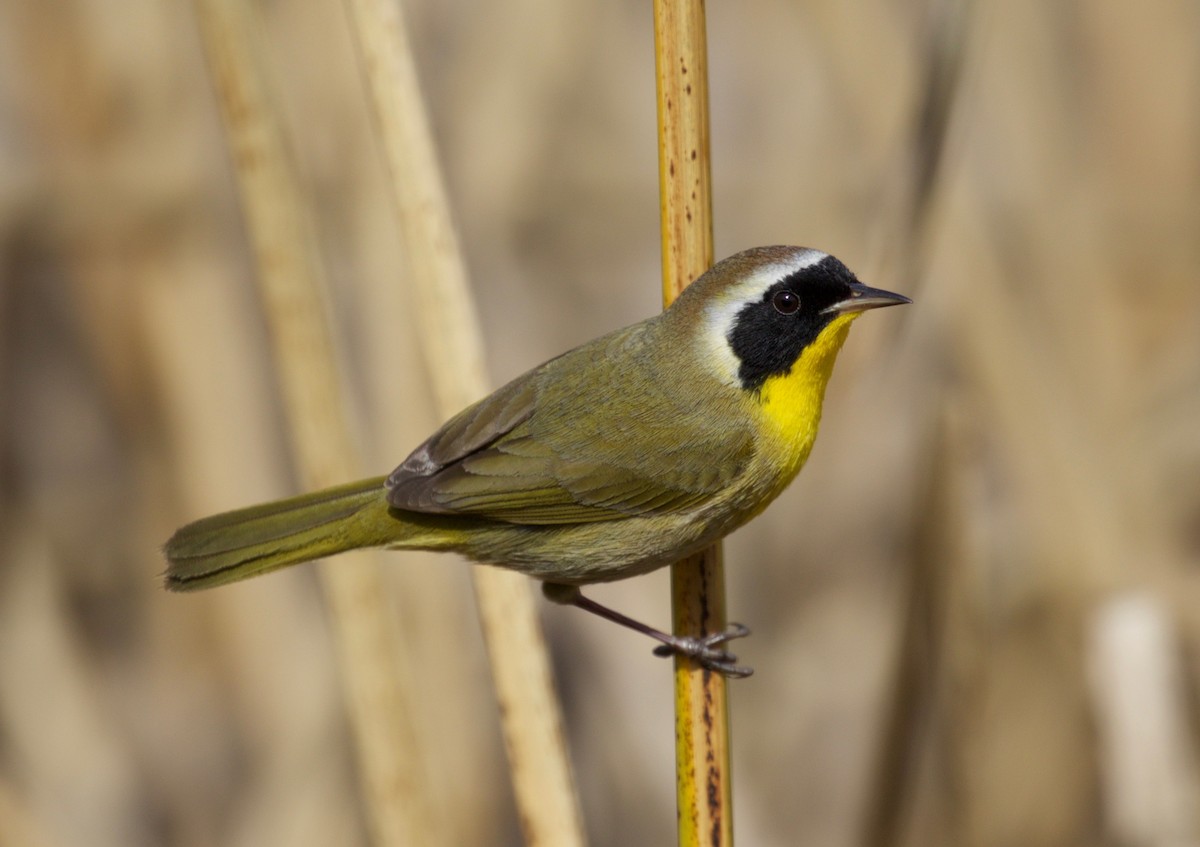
point(611, 460)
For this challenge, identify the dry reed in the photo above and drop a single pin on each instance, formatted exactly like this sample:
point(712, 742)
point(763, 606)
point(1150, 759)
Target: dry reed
point(703, 778)
point(293, 289)
point(541, 773)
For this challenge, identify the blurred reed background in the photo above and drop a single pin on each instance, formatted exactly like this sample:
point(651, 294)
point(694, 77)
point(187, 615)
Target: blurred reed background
point(977, 613)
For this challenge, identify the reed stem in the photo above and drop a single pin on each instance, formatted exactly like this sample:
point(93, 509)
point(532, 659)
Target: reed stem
point(703, 790)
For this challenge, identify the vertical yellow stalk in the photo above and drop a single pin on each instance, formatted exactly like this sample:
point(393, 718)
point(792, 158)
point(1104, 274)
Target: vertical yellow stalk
point(703, 791)
point(292, 286)
point(541, 773)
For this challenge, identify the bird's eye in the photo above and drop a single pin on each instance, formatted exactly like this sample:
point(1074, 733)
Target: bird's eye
point(786, 302)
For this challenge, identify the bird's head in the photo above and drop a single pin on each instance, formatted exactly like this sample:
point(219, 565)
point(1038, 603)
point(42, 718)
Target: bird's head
point(760, 313)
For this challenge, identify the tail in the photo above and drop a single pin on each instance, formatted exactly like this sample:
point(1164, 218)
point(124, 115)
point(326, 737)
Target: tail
point(236, 545)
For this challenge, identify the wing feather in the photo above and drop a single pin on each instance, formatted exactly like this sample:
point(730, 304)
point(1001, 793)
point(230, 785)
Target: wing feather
point(552, 447)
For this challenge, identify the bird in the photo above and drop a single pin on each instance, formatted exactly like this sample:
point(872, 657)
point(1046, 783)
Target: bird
point(618, 457)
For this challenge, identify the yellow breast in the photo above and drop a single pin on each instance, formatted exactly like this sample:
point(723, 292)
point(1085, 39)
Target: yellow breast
point(790, 404)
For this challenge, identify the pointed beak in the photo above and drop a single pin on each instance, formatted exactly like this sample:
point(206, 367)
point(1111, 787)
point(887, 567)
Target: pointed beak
point(863, 297)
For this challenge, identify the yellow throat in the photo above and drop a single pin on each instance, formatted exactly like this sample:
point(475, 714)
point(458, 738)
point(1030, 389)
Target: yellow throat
point(791, 403)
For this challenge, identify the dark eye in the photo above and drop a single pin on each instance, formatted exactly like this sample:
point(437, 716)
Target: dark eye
point(786, 302)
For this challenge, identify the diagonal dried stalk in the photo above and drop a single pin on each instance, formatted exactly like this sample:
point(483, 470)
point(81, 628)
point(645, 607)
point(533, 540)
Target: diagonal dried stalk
point(292, 287)
point(542, 779)
point(703, 789)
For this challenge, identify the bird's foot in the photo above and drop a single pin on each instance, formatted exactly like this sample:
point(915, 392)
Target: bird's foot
point(708, 651)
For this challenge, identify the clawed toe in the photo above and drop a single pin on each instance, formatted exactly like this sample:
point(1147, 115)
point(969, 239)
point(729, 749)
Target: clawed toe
point(732, 631)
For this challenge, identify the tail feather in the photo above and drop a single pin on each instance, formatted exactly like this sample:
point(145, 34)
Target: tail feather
point(235, 545)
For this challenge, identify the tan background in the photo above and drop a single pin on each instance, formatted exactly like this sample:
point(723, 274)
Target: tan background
point(977, 615)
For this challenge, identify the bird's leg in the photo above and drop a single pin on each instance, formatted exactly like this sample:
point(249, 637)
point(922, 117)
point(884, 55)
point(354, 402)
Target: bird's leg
point(707, 651)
